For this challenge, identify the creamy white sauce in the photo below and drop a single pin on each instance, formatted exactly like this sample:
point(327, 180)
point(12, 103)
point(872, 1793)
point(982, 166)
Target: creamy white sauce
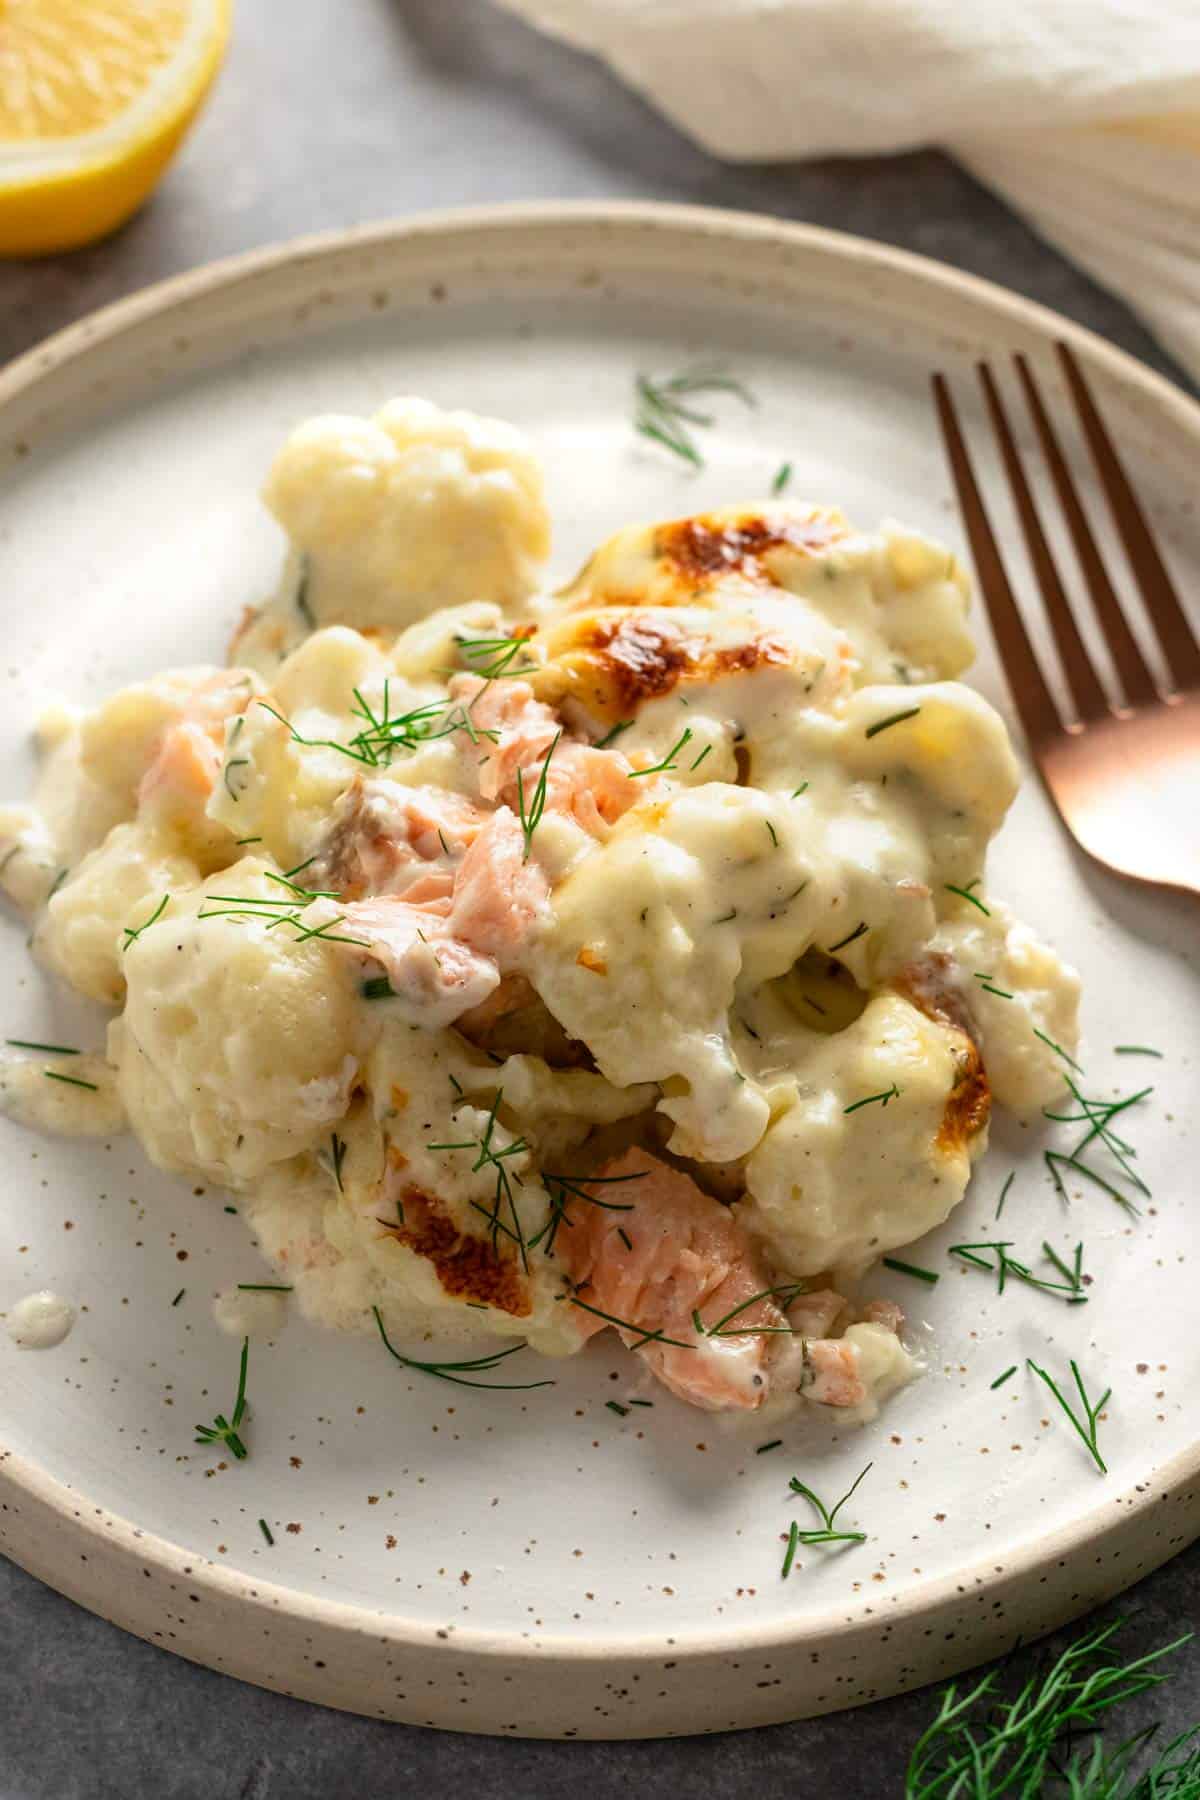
point(40, 1321)
point(73, 1096)
point(252, 1315)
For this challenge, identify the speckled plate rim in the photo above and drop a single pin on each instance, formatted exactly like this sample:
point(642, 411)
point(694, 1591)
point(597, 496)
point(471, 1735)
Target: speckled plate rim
point(381, 1663)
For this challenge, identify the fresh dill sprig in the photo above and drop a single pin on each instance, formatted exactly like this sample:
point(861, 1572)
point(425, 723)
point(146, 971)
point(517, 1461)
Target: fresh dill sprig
point(989, 987)
point(826, 1532)
point(495, 658)
point(664, 415)
point(460, 1372)
point(1008, 1181)
point(1058, 1050)
point(71, 1080)
point(892, 719)
point(530, 819)
point(790, 1290)
point(133, 932)
point(668, 762)
point(1136, 1050)
point(643, 1335)
point(982, 1744)
point(903, 1268)
point(1052, 1159)
point(610, 737)
point(1098, 1115)
point(1070, 1288)
point(892, 1093)
point(964, 893)
point(487, 1156)
point(561, 1188)
point(223, 1430)
point(46, 1049)
point(1087, 1433)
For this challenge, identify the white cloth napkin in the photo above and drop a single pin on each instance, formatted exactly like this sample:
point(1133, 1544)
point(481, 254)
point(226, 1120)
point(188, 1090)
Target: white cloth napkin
point(1084, 114)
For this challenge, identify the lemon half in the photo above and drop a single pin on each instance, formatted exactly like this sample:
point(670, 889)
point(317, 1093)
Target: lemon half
point(95, 96)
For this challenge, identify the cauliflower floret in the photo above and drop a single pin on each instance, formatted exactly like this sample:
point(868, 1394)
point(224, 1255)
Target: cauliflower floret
point(413, 509)
point(239, 1045)
point(81, 934)
point(837, 1184)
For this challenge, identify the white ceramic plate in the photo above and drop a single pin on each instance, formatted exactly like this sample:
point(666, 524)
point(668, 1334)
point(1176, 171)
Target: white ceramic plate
point(536, 1563)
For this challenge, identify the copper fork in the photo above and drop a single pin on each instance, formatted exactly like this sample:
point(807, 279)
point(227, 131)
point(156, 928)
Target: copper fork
point(1124, 770)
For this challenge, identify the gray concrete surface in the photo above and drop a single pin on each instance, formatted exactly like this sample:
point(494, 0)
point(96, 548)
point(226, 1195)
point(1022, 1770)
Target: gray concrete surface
point(329, 115)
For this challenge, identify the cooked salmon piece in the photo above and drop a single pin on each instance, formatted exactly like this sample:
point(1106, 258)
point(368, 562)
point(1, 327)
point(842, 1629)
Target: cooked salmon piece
point(689, 1254)
point(184, 770)
point(499, 893)
point(384, 837)
point(594, 785)
point(437, 974)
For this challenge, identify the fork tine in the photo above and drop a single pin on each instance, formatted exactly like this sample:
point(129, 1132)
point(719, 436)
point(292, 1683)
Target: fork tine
point(1091, 702)
point(1039, 715)
point(1136, 679)
point(1157, 589)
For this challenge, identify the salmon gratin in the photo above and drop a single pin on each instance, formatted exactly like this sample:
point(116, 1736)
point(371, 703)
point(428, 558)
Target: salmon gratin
point(551, 963)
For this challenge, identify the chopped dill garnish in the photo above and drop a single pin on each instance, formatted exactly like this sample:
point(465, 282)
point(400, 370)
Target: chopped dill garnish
point(223, 1430)
point(663, 414)
point(1001, 1379)
point(641, 1403)
point(249, 840)
point(772, 833)
point(789, 1555)
point(562, 1187)
point(133, 932)
point(639, 1331)
point(237, 762)
point(1091, 1413)
point(48, 1049)
point(179, 1297)
point(266, 1531)
point(230, 1209)
point(299, 869)
point(489, 1157)
point(1008, 1181)
point(1070, 1288)
point(378, 987)
point(337, 1147)
point(964, 893)
point(624, 1237)
point(616, 1407)
point(71, 1080)
point(1058, 1050)
point(762, 1449)
point(610, 737)
point(493, 658)
point(850, 938)
point(827, 1532)
point(300, 598)
point(903, 1268)
point(531, 819)
point(668, 762)
point(892, 1093)
point(802, 789)
point(1136, 1050)
point(1052, 1158)
point(55, 885)
point(263, 1287)
point(460, 1372)
point(989, 987)
point(791, 1289)
point(783, 475)
point(893, 719)
point(707, 751)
